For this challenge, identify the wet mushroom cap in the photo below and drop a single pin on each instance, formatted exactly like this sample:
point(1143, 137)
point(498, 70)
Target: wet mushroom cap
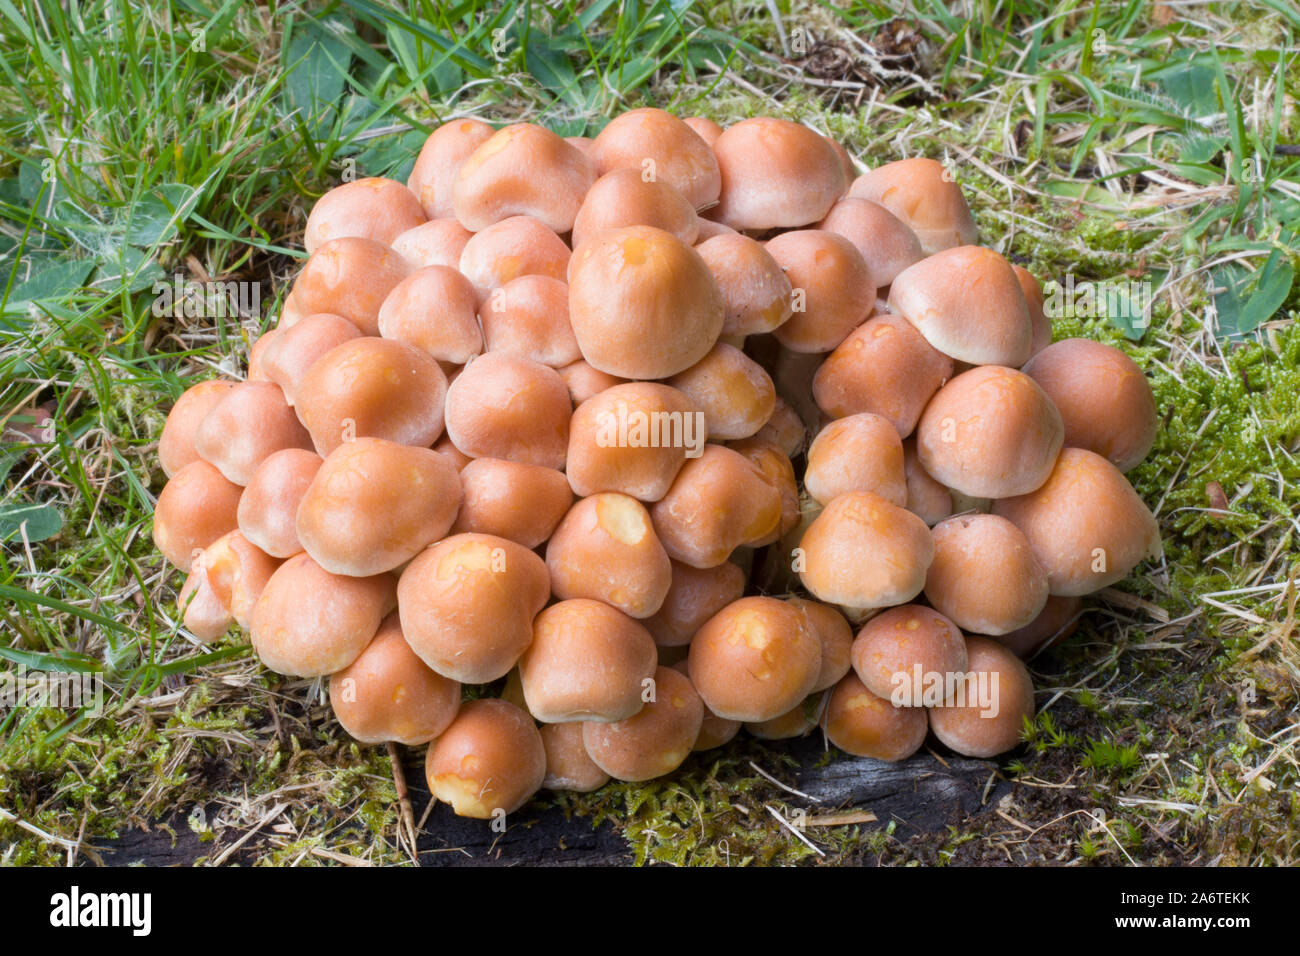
point(504, 406)
point(176, 444)
point(866, 725)
point(658, 145)
point(656, 739)
point(268, 508)
point(902, 642)
point(776, 174)
point(985, 576)
point(350, 277)
point(372, 208)
point(860, 453)
point(512, 499)
point(987, 713)
point(195, 508)
point(490, 761)
point(568, 765)
point(926, 197)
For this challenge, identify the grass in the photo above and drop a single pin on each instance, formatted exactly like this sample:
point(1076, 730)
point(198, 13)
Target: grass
point(1154, 142)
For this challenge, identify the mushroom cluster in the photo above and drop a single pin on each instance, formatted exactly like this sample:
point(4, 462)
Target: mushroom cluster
point(535, 421)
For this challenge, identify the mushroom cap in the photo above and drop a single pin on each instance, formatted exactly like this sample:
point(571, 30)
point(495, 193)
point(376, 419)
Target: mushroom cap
point(434, 309)
point(374, 504)
point(1058, 619)
point(864, 552)
point(866, 725)
point(490, 760)
point(714, 730)
point(310, 623)
point(659, 145)
point(514, 247)
point(350, 277)
point(504, 406)
point(625, 197)
point(991, 432)
point(468, 603)
point(860, 453)
point(290, 313)
point(195, 508)
point(257, 355)
point(250, 422)
point(705, 128)
point(633, 438)
point(568, 765)
point(296, 349)
point(775, 175)
point(587, 661)
point(643, 304)
point(656, 739)
point(1038, 318)
point(711, 230)
point(968, 304)
point(894, 644)
point(887, 244)
point(969, 726)
point(923, 195)
point(438, 242)
point(372, 208)
point(268, 508)
point(798, 721)
point(584, 382)
point(847, 163)
point(522, 170)
point(836, 639)
point(435, 170)
point(1086, 525)
point(372, 388)
point(529, 317)
point(984, 575)
point(226, 580)
point(755, 659)
point(1104, 399)
point(755, 289)
point(388, 693)
point(733, 391)
point(928, 499)
point(694, 596)
point(833, 293)
point(775, 465)
point(785, 428)
point(718, 502)
point(884, 366)
point(512, 499)
point(176, 443)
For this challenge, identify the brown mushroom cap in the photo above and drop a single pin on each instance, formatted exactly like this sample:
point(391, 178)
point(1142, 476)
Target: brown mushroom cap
point(1104, 399)
point(587, 661)
point(714, 730)
point(512, 499)
point(1086, 525)
point(290, 313)
point(925, 197)
point(625, 197)
point(257, 355)
point(434, 309)
point(836, 639)
point(606, 549)
point(705, 128)
point(633, 438)
point(226, 580)
point(833, 293)
point(389, 694)
point(733, 391)
point(755, 289)
point(884, 366)
point(903, 643)
point(350, 277)
point(529, 317)
point(775, 465)
point(859, 453)
point(1042, 325)
point(491, 760)
point(887, 245)
point(775, 175)
point(755, 659)
point(310, 623)
point(1058, 619)
point(864, 552)
point(250, 422)
point(866, 725)
point(985, 576)
point(439, 242)
point(928, 499)
point(372, 208)
point(434, 173)
point(655, 740)
point(195, 508)
point(268, 508)
point(468, 603)
point(296, 349)
point(503, 406)
point(374, 504)
point(798, 721)
point(176, 444)
point(991, 432)
point(847, 163)
point(522, 170)
point(372, 388)
point(568, 765)
point(584, 382)
point(660, 146)
point(967, 724)
point(694, 596)
point(968, 304)
point(718, 502)
point(643, 304)
point(514, 247)
point(785, 428)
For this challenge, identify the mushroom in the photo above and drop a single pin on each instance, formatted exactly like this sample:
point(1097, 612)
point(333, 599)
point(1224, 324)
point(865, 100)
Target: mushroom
point(775, 175)
point(457, 457)
point(176, 444)
point(388, 694)
point(656, 739)
point(887, 245)
point(225, 581)
point(991, 432)
point(1104, 399)
point(756, 292)
point(833, 293)
point(643, 304)
point(374, 504)
point(1056, 622)
point(587, 661)
point(785, 428)
point(195, 508)
point(1042, 325)
point(858, 453)
point(257, 355)
point(714, 730)
point(625, 197)
point(512, 499)
point(310, 623)
point(984, 575)
point(925, 196)
point(901, 648)
point(468, 603)
point(694, 596)
point(439, 242)
point(583, 381)
point(796, 722)
point(988, 709)
point(835, 636)
point(847, 163)
point(866, 725)
point(514, 247)
point(775, 465)
point(350, 277)
point(926, 498)
point(705, 128)
point(296, 349)
point(434, 173)
point(568, 765)
point(503, 406)
point(732, 390)
point(290, 313)
point(249, 423)
point(268, 508)
point(490, 761)
point(529, 317)
point(661, 147)
point(372, 208)
point(1086, 525)
point(434, 309)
